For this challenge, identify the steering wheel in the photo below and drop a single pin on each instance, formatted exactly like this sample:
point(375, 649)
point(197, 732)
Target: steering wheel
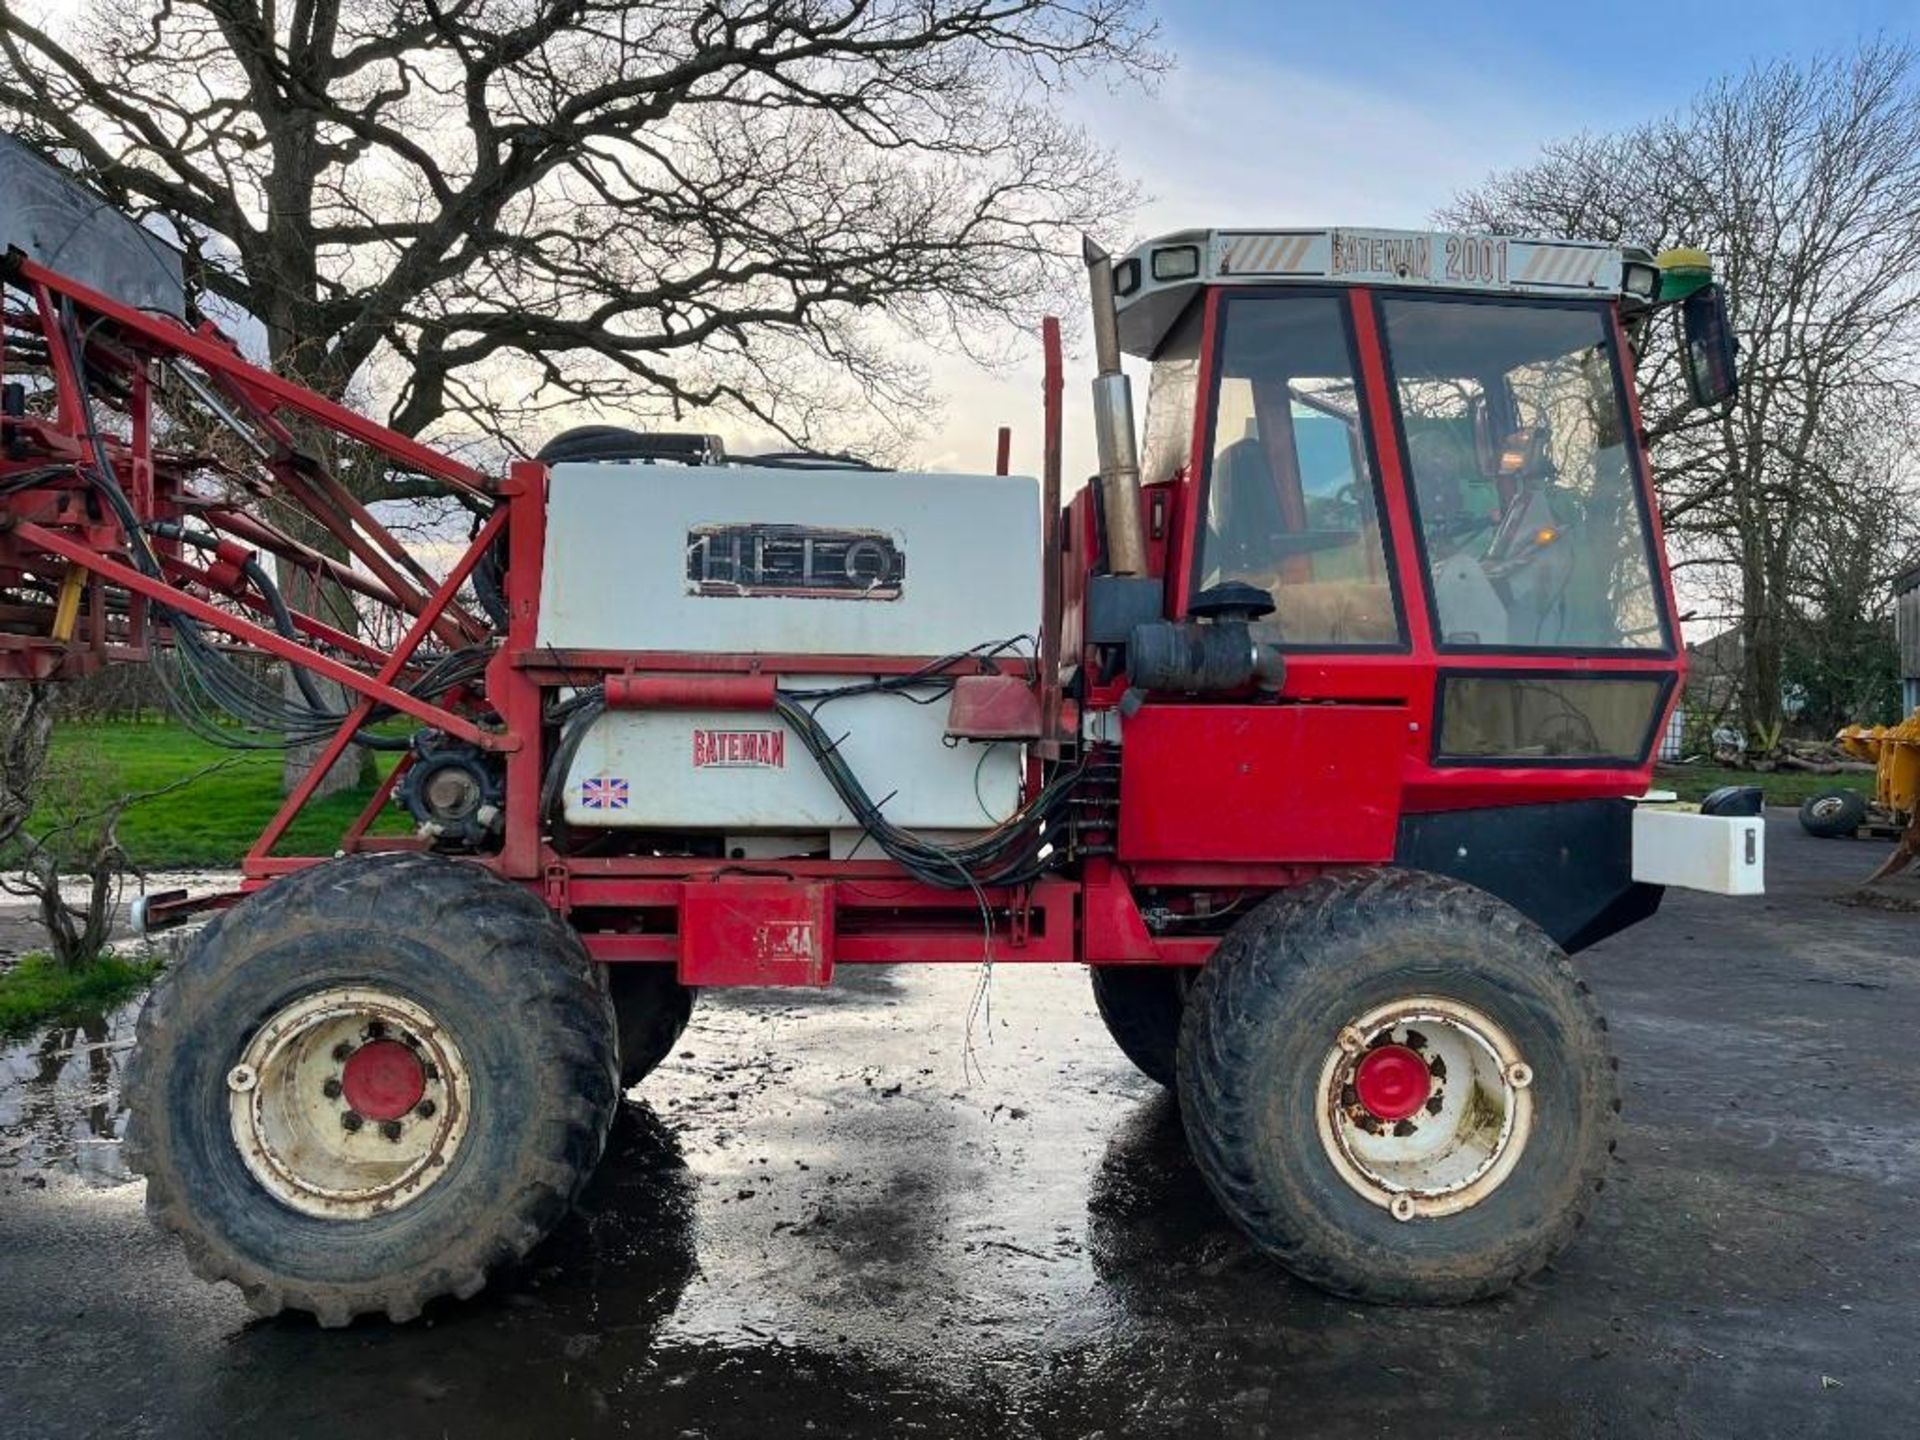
point(1530, 528)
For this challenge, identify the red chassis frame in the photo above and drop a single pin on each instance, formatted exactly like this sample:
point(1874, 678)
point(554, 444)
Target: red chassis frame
point(661, 909)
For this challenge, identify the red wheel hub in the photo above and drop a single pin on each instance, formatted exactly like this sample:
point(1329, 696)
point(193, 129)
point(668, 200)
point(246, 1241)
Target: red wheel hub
point(383, 1080)
point(1392, 1082)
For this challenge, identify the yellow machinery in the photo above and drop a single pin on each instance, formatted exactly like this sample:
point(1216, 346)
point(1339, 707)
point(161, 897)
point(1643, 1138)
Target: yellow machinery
point(1895, 753)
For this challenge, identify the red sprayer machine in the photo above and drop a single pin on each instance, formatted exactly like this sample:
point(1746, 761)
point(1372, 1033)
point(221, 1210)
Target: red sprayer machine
point(1314, 727)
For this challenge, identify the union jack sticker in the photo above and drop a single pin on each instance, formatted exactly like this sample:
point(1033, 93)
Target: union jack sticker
point(604, 792)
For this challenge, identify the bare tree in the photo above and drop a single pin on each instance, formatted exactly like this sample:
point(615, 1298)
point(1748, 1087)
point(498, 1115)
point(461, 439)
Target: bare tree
point(1842, 660)
point(83, 849)
point(469, 214)
point(34, 857)
point(59, 828)
point(487, 209)
point(1804, 182)
point(26, 716)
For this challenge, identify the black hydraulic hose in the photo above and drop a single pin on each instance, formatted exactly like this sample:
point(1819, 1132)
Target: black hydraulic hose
point(201, 663)
point(488, 586)
point(283, 622)
point(1008, 854)
point(276, 602)
point(205, 673)
point(443, 674)
point(586, 709)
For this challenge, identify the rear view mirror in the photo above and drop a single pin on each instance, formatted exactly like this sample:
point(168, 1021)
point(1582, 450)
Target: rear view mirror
point(1708, 347)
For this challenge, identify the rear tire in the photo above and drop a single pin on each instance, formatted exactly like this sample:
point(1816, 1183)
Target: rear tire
point(1453, 1202)
point(1142, 1005)
point(1833, 814)
point(651, 1010)
point(241, 1126)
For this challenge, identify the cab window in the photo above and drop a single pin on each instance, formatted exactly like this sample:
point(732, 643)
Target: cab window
point(1292, 506)
point(1519, 454)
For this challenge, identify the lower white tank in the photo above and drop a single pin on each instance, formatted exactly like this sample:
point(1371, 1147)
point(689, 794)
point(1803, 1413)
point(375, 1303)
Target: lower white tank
point(733, 771)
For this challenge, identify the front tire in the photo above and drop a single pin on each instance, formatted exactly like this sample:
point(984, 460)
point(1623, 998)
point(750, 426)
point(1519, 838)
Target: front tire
point(1396, 1086)
point(370, 1084)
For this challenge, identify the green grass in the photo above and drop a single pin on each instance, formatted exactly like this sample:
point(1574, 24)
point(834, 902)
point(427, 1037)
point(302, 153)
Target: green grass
point(214, 818)
point(1781, 787)
point(38, 990)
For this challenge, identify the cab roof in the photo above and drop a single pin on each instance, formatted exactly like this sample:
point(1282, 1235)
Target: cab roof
point(1155, 282)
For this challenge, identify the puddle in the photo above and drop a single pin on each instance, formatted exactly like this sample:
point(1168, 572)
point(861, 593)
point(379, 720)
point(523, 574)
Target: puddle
point(61, 1113)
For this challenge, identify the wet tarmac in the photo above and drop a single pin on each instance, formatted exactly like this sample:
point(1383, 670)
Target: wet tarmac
point(820, 1219)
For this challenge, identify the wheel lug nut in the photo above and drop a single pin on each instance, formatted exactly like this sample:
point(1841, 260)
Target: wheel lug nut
point(425, 1109)
point(342, 1050)
point(390, 1129)
point(331, 1089)
point(351, 1120)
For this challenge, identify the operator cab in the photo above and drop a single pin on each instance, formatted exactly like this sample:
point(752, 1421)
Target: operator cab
point(1424, 446)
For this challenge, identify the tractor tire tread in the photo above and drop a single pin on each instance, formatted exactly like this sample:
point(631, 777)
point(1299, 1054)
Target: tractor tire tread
point(1290, 932)
point(430, 892)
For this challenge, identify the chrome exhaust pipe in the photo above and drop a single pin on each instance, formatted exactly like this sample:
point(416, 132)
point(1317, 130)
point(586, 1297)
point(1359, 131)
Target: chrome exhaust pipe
point(1113, 430)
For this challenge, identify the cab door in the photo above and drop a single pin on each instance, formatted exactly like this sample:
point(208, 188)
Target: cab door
point(1286, 495)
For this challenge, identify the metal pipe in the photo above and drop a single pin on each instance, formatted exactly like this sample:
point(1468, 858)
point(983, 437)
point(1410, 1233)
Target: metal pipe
point(1052, 606)
point(285, 547)
point(690, 692)
point(374, 689)
point(1126, 533)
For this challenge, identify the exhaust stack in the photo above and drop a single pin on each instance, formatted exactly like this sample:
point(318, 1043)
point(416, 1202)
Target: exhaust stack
point(1113, 426)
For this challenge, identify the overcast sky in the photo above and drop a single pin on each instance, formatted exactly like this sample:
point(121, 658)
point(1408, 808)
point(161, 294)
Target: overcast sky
point(1309, 113)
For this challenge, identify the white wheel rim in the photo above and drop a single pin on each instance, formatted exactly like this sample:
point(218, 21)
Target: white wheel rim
point(296, 1127)
point(1462, 1143)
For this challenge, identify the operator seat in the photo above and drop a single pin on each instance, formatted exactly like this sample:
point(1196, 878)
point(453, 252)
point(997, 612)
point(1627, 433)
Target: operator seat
point(1245, 521)
point(1243, 513)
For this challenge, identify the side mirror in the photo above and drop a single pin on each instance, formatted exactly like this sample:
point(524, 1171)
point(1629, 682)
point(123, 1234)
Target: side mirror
point(1708, 348)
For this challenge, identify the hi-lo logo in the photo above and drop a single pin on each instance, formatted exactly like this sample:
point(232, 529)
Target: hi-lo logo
point(740, 749)
point(798, 562)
